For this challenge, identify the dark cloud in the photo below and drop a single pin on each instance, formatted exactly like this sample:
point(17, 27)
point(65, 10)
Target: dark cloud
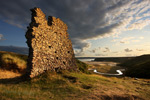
point(16, 12)
point(86, 19)
point(127, 50)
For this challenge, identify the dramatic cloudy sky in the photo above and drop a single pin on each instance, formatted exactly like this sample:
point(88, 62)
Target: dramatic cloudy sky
point(96, 27)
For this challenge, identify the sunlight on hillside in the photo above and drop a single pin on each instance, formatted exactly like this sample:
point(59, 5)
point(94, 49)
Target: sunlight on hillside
point(4, 74)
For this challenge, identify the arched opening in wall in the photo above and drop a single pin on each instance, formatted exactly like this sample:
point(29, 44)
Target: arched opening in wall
point(68, 51)
point(57, 58)
point(55, 51)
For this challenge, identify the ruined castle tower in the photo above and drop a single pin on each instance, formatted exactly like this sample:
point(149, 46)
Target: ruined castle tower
point(49, 45)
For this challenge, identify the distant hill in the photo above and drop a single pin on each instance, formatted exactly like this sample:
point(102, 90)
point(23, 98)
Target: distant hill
point(138, 66)
point(20, 50)
point(114, 59)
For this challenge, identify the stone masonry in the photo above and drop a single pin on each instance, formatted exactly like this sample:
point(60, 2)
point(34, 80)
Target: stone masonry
point(49, 45)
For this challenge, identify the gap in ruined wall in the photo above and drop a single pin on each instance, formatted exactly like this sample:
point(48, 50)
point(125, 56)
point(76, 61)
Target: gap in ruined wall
point(33, 20)
point(50, 20)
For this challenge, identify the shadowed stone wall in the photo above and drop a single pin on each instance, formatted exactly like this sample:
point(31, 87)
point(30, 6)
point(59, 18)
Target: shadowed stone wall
point(49, 45)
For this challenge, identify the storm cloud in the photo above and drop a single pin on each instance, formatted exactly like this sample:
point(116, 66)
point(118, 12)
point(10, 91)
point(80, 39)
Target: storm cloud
point(86, 19)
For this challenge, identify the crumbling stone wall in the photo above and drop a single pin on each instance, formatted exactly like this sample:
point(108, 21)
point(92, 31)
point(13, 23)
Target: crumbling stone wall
point(49, 45)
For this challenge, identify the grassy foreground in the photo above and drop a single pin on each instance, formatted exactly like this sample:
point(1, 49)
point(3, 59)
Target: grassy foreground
point(73, 86)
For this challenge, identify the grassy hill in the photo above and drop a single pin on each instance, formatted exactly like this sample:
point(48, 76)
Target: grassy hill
point(138, 66)
point(68, 85)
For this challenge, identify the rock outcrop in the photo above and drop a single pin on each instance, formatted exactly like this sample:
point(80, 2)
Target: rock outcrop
point(49, 45)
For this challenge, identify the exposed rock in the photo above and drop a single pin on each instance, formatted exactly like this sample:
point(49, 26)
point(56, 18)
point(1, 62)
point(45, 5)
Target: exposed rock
point(49, 45)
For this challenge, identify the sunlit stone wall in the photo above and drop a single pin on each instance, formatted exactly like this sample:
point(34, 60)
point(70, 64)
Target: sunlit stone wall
point(49, 45)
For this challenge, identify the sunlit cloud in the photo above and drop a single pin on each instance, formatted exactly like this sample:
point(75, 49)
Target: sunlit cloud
point(127, 40)
point(140, 24)
point(115, 52)
point(141, 37)
point(140, 49)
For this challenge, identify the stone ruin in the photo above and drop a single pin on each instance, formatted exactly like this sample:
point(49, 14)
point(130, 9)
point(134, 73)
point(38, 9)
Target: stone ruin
point(49, 45)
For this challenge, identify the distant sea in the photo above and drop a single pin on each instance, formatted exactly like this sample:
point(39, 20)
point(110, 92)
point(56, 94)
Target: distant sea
point(86, 59)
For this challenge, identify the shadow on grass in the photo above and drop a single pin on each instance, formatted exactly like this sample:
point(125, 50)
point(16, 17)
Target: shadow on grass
point(15, 80)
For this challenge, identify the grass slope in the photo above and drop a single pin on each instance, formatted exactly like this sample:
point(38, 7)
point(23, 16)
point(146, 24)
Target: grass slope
point(73, 86)
point(138, 67)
